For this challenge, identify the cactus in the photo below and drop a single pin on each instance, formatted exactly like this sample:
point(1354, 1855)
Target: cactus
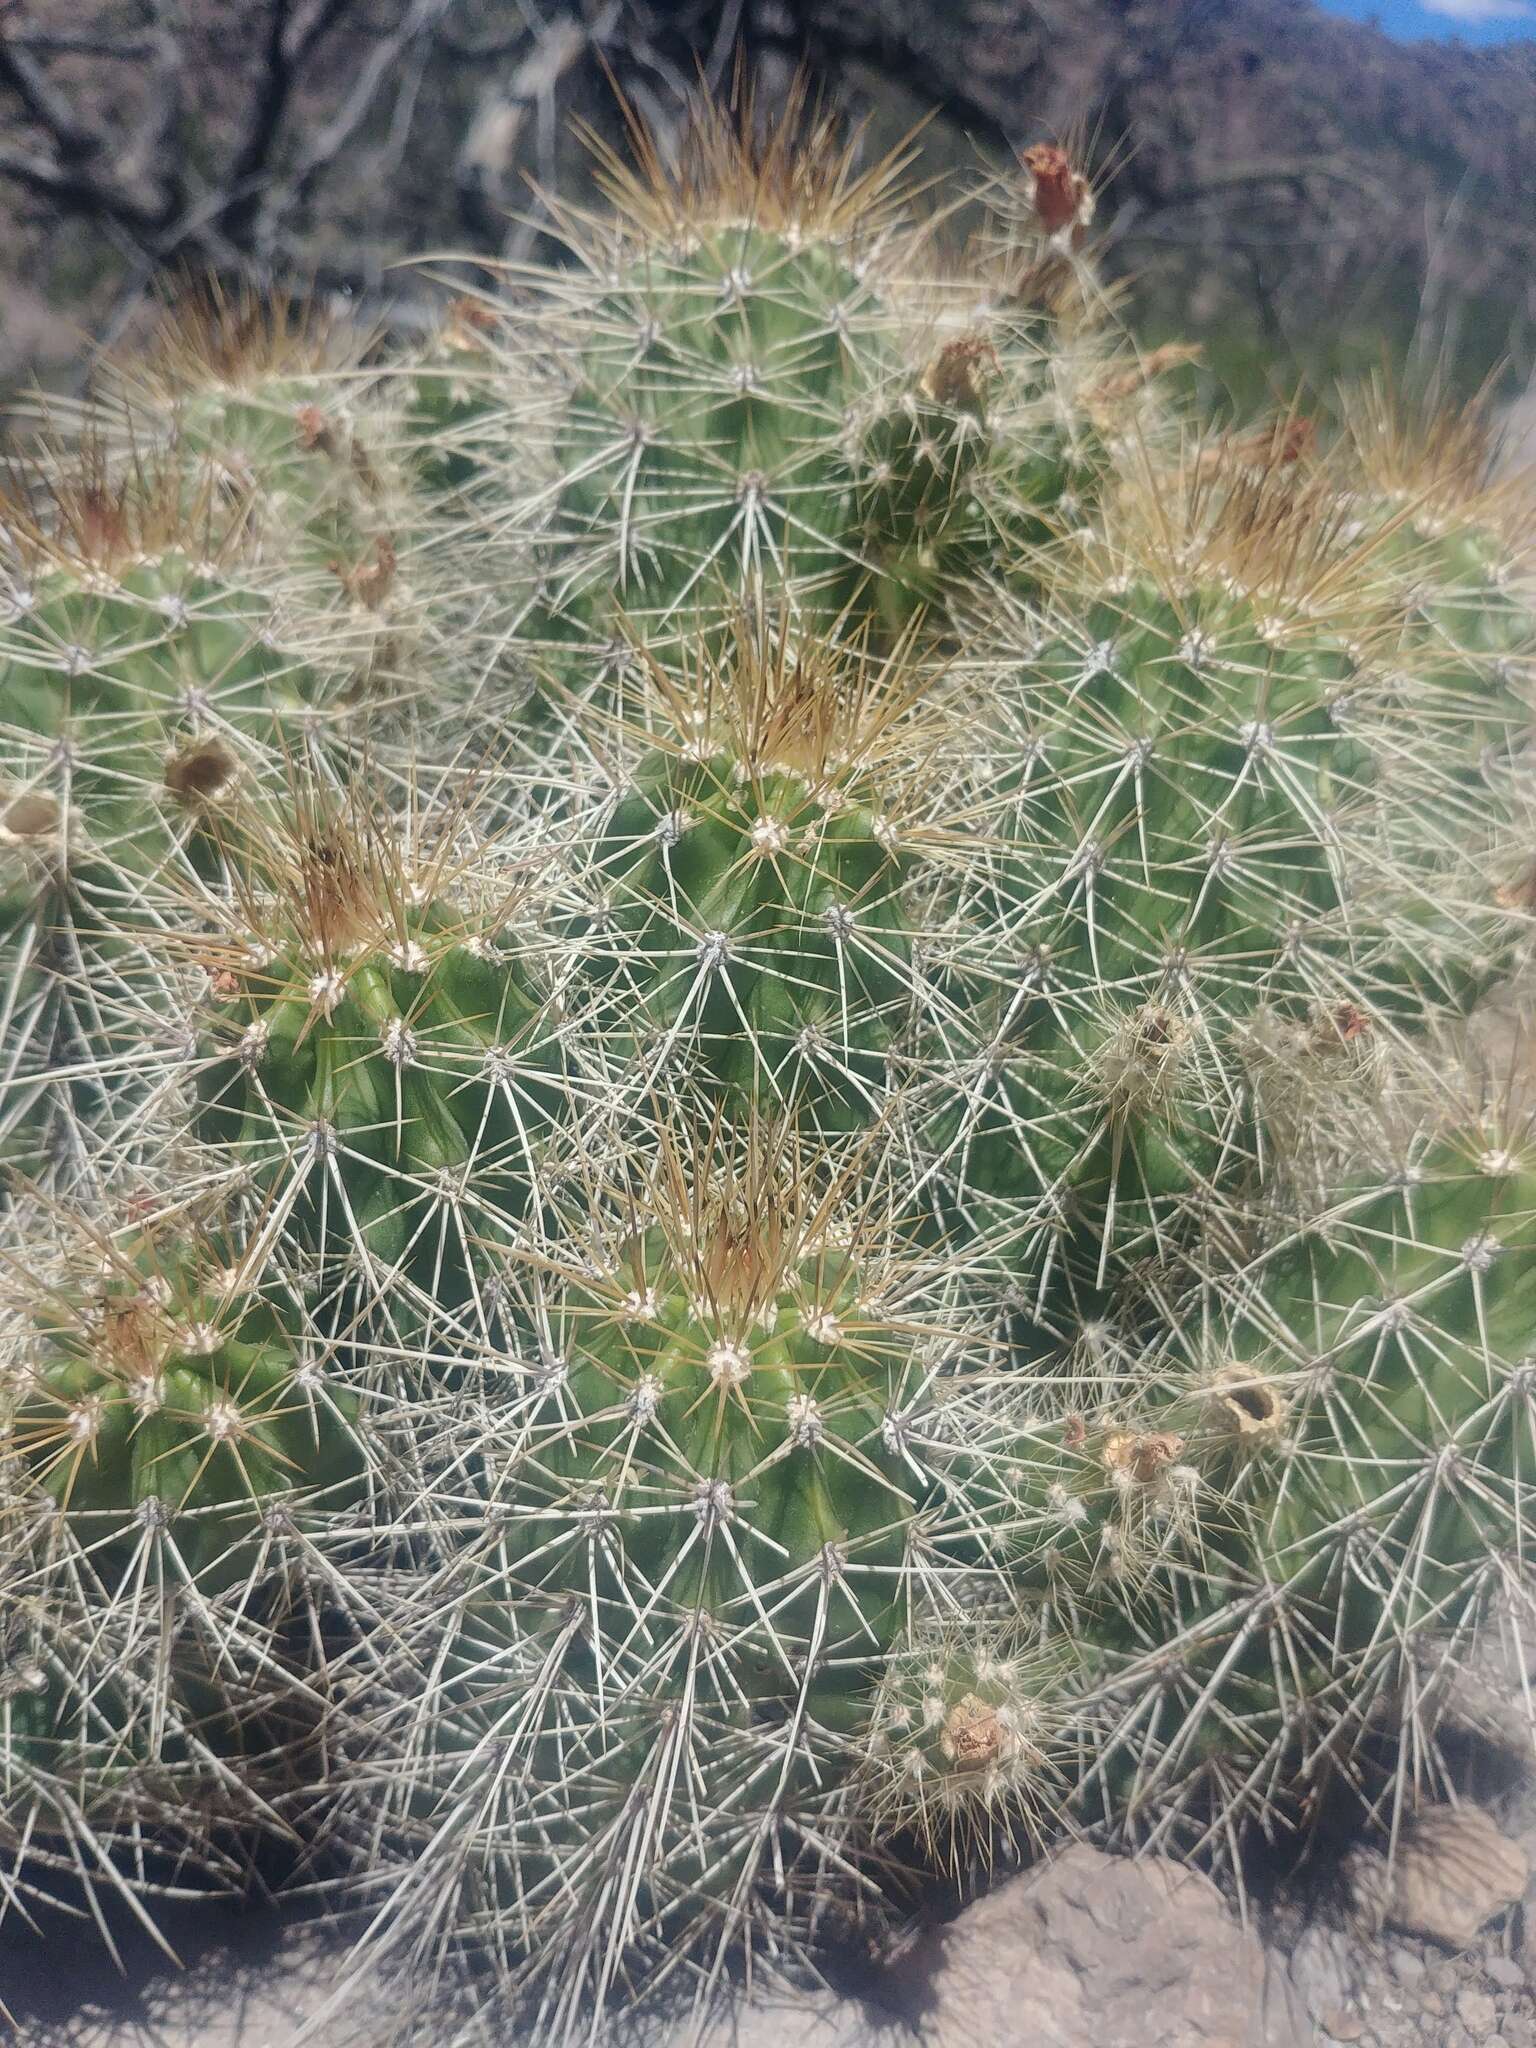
point(449, 395)
point(269, 411)
point(848, 1246)
point(142, 692)
point(966, 1743)
point(169, 1396)
point(752, 928)
point(1214, 824)
point(267, 401)
point(766, 385)
point(171, 1432)
point(727, 1449)
point(1272, 1542)
point(105, 1785)
point(384, 1066)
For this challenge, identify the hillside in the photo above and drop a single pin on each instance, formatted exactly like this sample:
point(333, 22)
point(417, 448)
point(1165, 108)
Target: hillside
point(1278, 180)
point(1287, 181)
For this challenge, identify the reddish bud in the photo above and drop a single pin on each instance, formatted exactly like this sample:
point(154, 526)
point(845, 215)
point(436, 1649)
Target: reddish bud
point(369, 581)
point(951, 378)
point(1340, 1024)
point(466, 323)
point(1060, 197)
point(100, 527)
point(314, 430)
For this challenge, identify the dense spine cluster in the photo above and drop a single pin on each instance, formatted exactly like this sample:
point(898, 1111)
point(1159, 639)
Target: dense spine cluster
point(382, 1067)
point(754, 922)
point(1349, 1421)
point(171, 1437)
point(1223, 822)
point(724, 1060)
point(145, 689)
point(721, 1457)
point(762, 384)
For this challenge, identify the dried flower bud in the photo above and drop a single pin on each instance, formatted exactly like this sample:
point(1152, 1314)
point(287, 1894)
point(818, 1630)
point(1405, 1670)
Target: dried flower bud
point(31, 816)
point(951, 378)
point(201, 772)
point(1141, 1455)
point(1060, 197)
point(1248, 1405)
point(465, 325)
point(1336, 1025)
point(1121, 384)
point(974, 1735)
point(371, 580)
point(316, 434)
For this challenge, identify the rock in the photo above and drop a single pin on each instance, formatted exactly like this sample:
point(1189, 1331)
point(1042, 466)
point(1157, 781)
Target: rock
point(1477, 2013)
point(1504, 1971)
point(1453, 1870)
point(1101, 1950)
point(1407, 1967)
point(1486, 1691)
point(777, 2022)
point(1342, 2026)
point(1323, 1970)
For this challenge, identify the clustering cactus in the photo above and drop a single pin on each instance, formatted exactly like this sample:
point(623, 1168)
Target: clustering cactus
point(754, 920)
point(383, 1066)
point(838, 1235)
point(1332, 1445)
point(1221, 811)
point(142, 688)
point(724, 1452)
point(762, 380)
point(170, 1393)
point(172, 1433)
point(270, 402)
point(210, 591)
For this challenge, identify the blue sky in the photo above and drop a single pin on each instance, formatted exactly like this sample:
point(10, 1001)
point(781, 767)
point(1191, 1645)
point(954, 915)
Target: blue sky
point(1475, 21)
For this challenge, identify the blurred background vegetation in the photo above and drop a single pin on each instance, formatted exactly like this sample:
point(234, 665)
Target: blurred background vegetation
point(1300, 193)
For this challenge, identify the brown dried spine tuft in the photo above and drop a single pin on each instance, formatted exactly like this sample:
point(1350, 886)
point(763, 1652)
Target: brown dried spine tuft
point(201, 772)
point(975, 1736)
